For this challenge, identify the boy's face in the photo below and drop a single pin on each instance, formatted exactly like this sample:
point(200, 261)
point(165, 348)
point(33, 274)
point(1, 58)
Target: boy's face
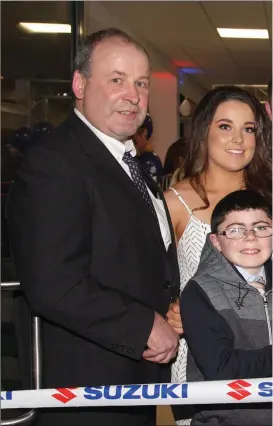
point(249, 252)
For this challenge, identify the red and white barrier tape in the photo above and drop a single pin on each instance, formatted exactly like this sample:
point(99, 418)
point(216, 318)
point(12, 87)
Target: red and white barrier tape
point(216, 392)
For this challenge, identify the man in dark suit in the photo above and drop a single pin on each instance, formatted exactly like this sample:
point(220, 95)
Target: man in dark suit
point(93, 242)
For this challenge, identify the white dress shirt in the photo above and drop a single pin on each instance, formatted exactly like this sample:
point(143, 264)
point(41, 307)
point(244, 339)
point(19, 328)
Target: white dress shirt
point(250, 278)
point(118, 149)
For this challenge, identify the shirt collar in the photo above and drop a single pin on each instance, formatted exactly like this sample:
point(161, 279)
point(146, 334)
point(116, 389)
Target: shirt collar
point(116, 147)
point(250, 277)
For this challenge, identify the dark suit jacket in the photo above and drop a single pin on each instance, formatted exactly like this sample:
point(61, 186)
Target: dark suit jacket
point(90, 259)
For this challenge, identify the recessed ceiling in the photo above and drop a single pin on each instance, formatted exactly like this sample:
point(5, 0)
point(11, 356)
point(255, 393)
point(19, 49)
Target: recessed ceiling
point(187, 32)
point(182, 31)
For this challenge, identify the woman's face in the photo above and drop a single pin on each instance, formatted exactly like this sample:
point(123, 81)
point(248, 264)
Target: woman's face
point(231, 137)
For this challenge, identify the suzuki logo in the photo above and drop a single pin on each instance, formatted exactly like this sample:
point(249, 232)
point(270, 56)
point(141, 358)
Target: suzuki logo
point(64, 395)
point(239, 387)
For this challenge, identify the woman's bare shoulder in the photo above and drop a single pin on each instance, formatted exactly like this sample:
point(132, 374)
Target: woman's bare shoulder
point(189, 196)
point(183, 188)
point(179, 214)
point(183, 185)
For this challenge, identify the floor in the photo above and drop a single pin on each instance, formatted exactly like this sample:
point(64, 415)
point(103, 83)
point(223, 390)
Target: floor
point(164, 416)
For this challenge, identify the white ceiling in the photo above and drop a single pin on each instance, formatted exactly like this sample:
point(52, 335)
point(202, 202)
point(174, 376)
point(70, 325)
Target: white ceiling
point(186, 31)
point(183, 31)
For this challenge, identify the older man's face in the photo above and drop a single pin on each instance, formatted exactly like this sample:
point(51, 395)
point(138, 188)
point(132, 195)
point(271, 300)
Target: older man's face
point(115, 97)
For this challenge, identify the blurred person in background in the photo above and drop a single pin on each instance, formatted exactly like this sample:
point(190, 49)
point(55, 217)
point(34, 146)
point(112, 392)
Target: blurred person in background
point(42, 128)
point(148, 159)
point(21, 141)
point(13, 148)
point(174, 162)
point(228, 151)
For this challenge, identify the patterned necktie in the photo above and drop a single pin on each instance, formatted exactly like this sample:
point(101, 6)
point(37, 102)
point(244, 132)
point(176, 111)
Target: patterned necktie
point(258, 283)
point(138, 180)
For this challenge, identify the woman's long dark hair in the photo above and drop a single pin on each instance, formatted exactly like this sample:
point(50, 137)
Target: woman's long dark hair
point(258, 173)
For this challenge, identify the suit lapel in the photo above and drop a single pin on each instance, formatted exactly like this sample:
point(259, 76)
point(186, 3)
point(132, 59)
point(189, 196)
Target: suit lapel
point(105, 163)
point(152, 185)
point(158, 193)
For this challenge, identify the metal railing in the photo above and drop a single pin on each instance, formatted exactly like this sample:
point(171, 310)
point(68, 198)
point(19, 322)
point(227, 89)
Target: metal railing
point(36, 376)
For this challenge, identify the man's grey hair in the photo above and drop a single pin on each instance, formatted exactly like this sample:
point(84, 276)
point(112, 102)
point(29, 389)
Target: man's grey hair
point(85, 50)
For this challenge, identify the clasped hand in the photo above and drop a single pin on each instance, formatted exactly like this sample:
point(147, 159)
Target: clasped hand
point(163, 341)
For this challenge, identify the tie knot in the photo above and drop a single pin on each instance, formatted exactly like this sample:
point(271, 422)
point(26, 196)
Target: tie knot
point(260, 280)
point(257, 279)
point(127, 157)
point(259, 283)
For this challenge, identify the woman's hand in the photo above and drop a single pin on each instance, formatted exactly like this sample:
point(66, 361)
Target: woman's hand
point(174, 318)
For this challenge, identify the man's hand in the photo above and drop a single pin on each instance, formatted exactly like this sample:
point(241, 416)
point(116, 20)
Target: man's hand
point(162, 343)
point(174, 317)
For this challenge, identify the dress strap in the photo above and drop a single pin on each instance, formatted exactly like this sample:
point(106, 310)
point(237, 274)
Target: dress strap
point(181, 199)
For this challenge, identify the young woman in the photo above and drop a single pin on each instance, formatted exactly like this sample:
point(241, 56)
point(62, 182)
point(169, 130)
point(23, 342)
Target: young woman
point(229, 150)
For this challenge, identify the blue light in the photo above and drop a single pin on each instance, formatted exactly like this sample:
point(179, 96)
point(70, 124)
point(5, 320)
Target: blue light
point(191, 70)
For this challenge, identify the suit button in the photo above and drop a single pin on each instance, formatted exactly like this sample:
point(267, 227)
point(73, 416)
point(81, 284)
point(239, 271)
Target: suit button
point(167, 284)
point(114, 345)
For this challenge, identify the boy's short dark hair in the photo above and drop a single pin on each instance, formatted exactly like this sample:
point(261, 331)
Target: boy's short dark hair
point(238, 201)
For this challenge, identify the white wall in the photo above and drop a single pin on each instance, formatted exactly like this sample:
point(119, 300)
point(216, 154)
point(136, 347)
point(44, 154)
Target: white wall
point(164, 111)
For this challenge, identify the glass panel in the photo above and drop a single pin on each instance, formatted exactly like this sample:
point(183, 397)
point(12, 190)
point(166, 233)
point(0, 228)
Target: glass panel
point(35, 83)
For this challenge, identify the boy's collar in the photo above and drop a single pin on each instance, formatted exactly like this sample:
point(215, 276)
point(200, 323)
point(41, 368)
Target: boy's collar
point(251, 277)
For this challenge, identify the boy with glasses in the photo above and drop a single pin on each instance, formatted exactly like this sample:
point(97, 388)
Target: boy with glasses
point(226, 307)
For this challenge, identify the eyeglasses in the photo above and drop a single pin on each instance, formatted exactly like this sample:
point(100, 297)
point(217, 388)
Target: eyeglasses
point(240, 233)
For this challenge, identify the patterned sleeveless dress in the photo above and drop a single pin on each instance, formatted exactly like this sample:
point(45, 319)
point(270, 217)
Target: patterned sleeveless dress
point(189, 249)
